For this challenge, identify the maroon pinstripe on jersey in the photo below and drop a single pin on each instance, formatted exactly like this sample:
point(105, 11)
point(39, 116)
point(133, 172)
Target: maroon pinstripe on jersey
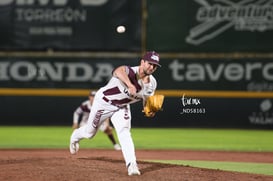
point(121, 101)
point(133, 78)
point(112, 91)
point(115, 91)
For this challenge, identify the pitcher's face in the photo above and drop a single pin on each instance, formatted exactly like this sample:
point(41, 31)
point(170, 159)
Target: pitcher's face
point(148, 68)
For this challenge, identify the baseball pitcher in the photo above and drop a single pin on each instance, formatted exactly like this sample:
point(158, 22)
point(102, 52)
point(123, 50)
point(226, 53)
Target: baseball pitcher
point(127, 85)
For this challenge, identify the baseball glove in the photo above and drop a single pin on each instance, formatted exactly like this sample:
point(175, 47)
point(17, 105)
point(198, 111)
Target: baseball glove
point(153, 104)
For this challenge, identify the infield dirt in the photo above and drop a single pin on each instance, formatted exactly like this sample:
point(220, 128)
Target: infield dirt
point(102, 164)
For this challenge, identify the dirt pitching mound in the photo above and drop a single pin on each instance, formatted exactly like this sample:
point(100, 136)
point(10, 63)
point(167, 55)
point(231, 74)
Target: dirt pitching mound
point(101, 164)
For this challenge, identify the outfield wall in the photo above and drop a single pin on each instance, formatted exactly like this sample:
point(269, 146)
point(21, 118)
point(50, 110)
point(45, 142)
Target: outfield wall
point(199, 93)
point(211, 113)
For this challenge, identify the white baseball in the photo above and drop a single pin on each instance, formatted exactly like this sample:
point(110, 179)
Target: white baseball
point(121, 29)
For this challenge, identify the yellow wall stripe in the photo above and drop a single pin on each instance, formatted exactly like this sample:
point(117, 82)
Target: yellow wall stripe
point(43, 92)
point(215, 94)
point(168, 93)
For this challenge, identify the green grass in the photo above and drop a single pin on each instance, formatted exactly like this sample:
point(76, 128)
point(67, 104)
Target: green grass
point(204, 139)
point(258, 168)
point(45, 137)
point(148, 138)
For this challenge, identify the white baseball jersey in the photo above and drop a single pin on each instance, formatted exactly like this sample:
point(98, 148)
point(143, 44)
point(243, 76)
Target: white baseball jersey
point(117, 93)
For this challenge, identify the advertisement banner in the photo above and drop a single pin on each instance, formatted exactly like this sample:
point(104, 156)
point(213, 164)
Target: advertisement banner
point(210, 26)
point(59, 72)
point(70, 25)
point(248, 74)
point(186, 74)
